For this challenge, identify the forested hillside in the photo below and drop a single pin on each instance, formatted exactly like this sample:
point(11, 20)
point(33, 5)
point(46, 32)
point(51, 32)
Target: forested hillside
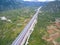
point(15, 18)
point(52, 7)
point(15, 4)
point(47, 16)
point(12, 22)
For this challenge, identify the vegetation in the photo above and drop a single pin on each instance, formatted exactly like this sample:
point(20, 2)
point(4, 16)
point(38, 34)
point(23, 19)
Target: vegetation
point(40, 28)
point(15, 4)
point(58, 39)
point(10, 30)
point(44, 19)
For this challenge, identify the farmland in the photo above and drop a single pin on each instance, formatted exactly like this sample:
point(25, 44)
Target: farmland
point(12, 22)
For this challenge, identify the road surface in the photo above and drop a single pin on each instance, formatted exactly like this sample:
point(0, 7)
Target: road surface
point(22, 35)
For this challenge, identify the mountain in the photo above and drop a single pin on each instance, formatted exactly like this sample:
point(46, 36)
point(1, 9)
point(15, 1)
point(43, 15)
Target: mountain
point(8, 4)
point(14, 4)
point(52, 6)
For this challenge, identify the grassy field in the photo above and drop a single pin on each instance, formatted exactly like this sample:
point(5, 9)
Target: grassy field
point(44, 19)
point(10, 30)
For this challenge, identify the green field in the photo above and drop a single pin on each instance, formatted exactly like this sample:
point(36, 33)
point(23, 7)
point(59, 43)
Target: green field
point(10, 30)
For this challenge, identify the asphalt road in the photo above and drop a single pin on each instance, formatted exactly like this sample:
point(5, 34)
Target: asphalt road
point(21, 36)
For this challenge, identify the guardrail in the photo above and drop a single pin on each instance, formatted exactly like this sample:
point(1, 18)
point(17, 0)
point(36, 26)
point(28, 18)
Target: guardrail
point(25, 34)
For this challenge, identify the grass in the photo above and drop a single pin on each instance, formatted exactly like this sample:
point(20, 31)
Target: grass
point(58, 40)
point(19, 17)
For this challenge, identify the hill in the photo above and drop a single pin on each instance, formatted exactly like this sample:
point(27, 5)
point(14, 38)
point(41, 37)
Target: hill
point(48, 14)
point(14, 4)
point(52, 6)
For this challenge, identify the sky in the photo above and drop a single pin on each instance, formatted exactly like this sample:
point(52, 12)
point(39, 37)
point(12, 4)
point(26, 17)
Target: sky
point(39, 0)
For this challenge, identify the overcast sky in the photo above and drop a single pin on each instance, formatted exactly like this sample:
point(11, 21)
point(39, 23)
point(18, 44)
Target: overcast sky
point(39, 0)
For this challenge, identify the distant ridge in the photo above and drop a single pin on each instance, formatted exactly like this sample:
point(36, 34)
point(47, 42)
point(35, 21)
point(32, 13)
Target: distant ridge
point(52, 6)
point(14, 4)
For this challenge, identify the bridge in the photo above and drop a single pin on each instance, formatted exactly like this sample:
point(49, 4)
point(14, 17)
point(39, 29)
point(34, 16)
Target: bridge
point(24, 36)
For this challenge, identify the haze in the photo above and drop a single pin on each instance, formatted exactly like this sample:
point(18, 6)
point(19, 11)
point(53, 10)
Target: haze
point(39, 0)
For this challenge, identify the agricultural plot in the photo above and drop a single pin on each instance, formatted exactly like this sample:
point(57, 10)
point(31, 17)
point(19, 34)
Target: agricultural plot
point(12, 22)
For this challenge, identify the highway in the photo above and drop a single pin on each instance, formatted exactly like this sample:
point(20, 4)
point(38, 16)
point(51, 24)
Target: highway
point(21, 39)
